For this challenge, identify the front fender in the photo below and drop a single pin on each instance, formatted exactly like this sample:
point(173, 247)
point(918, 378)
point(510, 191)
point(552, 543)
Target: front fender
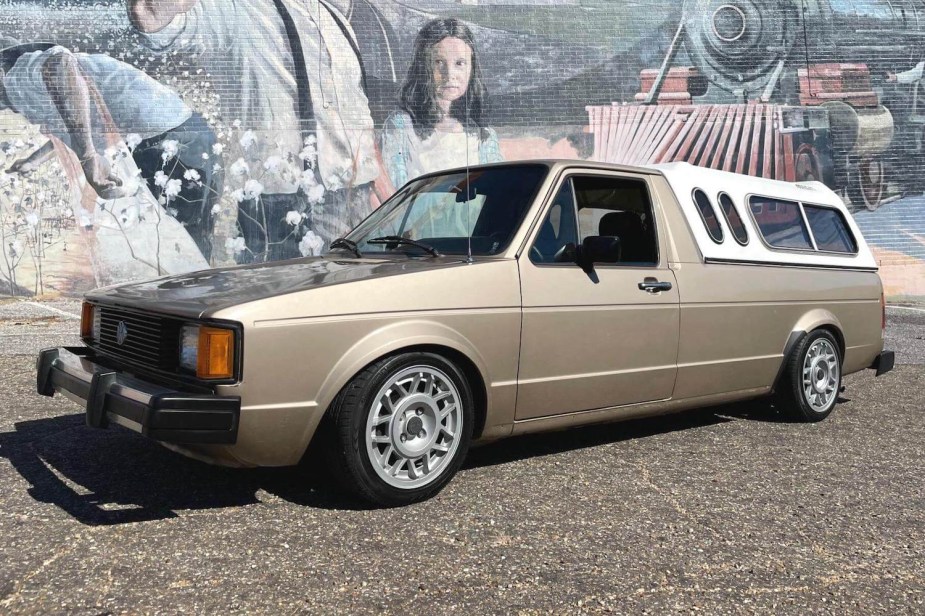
point(387, 340)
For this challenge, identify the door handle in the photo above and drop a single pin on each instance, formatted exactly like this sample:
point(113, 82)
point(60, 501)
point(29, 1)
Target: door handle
point(653, 285)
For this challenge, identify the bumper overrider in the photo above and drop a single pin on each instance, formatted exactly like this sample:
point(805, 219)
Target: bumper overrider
point(157, 412)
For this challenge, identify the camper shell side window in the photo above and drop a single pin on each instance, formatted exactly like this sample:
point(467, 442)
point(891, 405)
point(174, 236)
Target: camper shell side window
point(708, 215)
point(830, 230)
point(733, 219)
point(795, 225)
point(780, 223)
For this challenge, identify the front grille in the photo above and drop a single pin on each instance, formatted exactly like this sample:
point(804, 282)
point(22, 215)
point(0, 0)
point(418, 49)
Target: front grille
point(151, 341)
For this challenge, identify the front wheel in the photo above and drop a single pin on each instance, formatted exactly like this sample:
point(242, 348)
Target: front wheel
point(401, 428)
point(812, 377)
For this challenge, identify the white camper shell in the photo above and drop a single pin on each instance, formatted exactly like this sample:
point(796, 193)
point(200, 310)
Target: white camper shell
point(742, 219)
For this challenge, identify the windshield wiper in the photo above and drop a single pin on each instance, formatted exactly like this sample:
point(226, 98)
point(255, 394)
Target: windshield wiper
point(397, 239)
point(350, 245)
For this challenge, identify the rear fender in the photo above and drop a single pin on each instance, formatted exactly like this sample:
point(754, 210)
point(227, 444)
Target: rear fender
point(812, 320)
point(816, 318)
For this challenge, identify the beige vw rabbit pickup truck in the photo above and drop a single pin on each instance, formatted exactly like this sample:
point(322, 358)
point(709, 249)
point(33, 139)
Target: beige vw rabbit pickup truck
point(480, 303)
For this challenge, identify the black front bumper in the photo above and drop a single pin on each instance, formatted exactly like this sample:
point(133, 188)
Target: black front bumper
point(883, 363)
point(158, 412)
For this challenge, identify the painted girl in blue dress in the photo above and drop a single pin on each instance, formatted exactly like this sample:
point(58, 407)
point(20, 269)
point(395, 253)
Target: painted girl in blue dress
point(440, 124)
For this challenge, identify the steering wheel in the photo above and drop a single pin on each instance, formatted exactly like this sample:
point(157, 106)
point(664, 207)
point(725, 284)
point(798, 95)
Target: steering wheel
point(536, 256)
point(566, 253)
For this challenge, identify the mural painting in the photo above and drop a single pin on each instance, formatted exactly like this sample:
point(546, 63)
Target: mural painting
point(143, 138)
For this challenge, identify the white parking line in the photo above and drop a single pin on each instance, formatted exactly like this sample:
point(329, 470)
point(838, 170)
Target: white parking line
point(64, 313)
point(906, 308)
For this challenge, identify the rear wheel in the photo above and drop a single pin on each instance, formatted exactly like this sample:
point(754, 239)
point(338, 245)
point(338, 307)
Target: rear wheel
point(401, 428)
point(812, 377)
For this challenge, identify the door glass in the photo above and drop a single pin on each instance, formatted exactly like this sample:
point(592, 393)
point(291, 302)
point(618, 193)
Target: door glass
point(618, 207)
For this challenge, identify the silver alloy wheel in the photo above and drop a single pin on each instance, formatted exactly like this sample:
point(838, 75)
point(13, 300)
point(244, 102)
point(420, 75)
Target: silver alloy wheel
point(413, 427)
point(821, 375)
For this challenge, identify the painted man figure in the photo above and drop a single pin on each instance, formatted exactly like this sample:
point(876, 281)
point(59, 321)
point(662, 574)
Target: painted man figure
point(289, 70)
point(88, 101)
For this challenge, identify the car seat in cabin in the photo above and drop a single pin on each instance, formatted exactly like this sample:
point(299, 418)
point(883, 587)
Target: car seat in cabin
point(635, 240)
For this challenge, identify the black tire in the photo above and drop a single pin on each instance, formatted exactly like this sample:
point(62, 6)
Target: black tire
point(344, 432)
point(792, 396)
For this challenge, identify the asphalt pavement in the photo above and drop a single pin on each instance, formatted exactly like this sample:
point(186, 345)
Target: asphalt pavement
point(726, 510)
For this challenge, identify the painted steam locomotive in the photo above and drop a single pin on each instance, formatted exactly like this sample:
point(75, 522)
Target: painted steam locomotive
point(792, 89)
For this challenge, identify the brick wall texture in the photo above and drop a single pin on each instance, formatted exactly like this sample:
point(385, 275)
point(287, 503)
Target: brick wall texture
point(144, 138)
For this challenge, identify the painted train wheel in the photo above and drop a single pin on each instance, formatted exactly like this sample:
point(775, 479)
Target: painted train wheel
point(806, 164)
point(871, 182)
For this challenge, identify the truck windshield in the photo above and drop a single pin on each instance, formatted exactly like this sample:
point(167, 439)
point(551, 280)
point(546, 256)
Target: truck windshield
point(449, 211)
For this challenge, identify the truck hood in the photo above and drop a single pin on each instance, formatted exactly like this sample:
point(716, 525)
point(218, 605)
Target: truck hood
point(199, 294)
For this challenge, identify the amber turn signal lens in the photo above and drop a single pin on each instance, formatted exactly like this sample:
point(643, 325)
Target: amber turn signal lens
point(86, 321)
point(216, 353)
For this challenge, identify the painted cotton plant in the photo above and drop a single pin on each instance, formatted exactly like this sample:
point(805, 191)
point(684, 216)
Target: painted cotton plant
point(167, 180)
point(251, 155)
point(35, 215)
point(201, 173)
point(247, 177)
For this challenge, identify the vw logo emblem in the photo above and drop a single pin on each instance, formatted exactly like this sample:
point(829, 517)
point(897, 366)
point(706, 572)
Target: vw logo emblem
point(121, 332)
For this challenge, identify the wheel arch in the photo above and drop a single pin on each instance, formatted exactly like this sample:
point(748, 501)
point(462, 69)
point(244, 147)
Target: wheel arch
point(818, 318)
point(406, 337)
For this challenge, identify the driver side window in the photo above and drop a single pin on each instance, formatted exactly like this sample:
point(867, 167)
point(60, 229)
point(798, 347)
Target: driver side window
point(606, 206)
point(618, 207)
point(559, 227)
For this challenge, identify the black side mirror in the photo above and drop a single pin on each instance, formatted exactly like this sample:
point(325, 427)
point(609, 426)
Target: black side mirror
point(598, 249)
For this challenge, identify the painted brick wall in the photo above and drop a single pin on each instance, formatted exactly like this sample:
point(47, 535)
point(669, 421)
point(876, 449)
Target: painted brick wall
point(212, 132)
